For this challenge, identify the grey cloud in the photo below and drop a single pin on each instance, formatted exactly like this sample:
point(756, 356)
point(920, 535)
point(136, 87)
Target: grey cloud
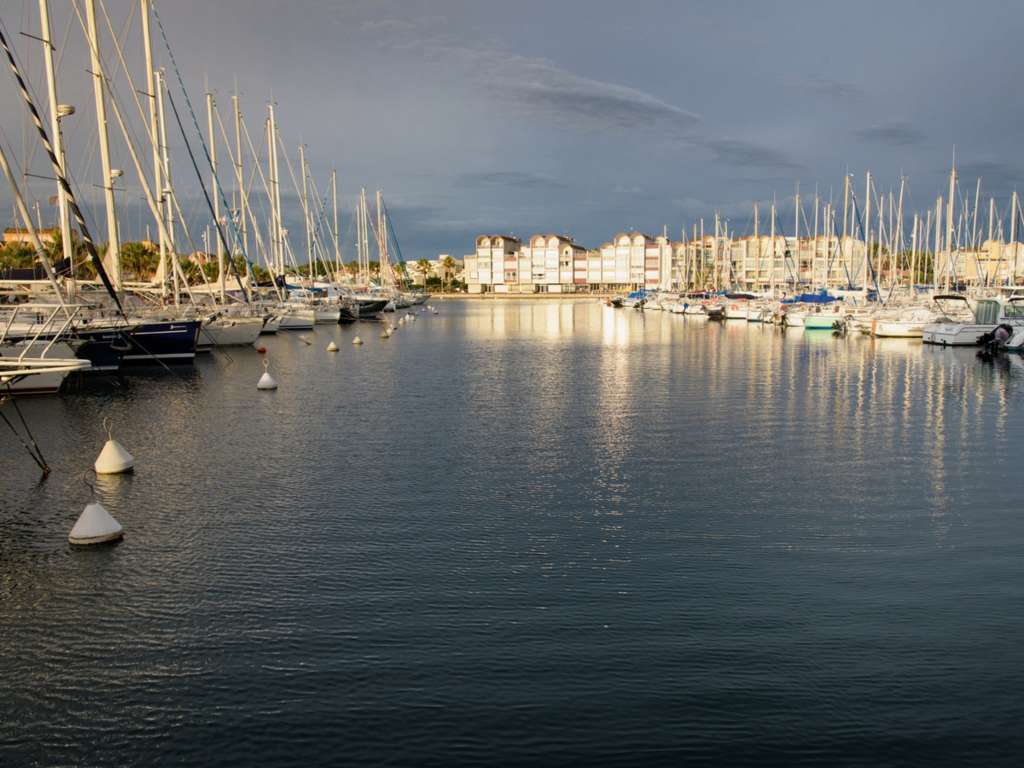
point(895, 134)
point(748, 154)
point(835, 89)
point(997, 177)
point(510, 179)
point(541, 85)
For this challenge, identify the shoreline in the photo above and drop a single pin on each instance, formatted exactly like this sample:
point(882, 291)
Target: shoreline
point(522, 296)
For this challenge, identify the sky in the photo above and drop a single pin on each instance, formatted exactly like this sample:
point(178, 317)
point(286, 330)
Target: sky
point(575, 117)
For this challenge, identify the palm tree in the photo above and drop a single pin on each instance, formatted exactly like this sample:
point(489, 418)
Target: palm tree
point(139, 259)
point(449, 266)
point(423, 267)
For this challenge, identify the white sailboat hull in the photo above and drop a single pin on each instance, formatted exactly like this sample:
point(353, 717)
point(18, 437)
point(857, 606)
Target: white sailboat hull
point(327, 314)
point(298, 320)
point(46, 383)
point(230, 332)
point(898, 329)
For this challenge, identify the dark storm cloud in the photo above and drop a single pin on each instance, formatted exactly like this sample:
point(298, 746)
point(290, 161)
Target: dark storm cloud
point(540, 86)
point(510, 179)
point(896, 134)
point(748, 154)
point(834, 89)
point(997, 177)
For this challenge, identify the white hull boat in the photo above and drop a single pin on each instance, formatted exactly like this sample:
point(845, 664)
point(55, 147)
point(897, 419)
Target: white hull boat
point(327, 314)
point(29, 368)
point(297, 320)
point(229, 332)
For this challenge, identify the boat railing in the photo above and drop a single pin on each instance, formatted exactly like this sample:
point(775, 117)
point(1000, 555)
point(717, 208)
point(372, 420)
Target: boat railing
point(45, 327)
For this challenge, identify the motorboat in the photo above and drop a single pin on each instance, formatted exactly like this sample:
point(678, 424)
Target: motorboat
point(960, 324)
point(906, 324)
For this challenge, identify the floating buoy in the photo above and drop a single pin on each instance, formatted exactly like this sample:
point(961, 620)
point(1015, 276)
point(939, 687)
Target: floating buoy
point(357, 340)
point(332, 347)
point(95, 526)
point(434, 311)
point(113, 459)
point(305, 341)
point(260, 348)
point(385, 334)
point(266, 380)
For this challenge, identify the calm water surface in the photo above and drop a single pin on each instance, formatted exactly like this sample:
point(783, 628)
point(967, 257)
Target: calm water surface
point(534, 533)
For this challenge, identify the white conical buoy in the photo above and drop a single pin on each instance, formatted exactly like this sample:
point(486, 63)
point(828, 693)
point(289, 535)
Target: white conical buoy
point(357, 340)
point(95, 525)
point(266, 380)
point(113, 459)
point(332, 347)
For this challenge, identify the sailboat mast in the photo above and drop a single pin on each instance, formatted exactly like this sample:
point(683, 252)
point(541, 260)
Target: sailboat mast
point(796, 234)
point(913, 256)
point(154, 133)
point(58, 139)
point(1013, 234)
point(337, 234)
point(276, 184)
point(771, 254)
point(166, 193)
point(221, 271)
point(305, 211)
point(240, 174)
point(898, 238)
point(949, 225)
point(867, 236)
point(113, 256)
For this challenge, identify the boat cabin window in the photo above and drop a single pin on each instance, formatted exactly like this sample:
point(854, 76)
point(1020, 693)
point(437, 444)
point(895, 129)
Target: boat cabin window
point(986, 312)
point(1014, 309)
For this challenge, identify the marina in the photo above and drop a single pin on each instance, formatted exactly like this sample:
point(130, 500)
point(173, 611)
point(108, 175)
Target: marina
point(674, 533)
point(295, 471)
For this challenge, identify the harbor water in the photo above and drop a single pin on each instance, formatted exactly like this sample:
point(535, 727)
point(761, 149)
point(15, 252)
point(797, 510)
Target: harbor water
point(526, 533)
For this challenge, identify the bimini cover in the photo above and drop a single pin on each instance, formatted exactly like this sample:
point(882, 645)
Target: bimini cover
point(821, 297)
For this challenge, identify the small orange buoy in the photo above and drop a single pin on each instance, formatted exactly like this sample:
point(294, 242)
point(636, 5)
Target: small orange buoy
point(261, 349)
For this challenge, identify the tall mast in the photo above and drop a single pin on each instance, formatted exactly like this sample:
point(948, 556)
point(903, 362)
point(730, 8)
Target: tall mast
point(167, 192)
point(276, 184)
point(771, 255)
point(270, 194)
point(305, 211)
point(913, 255)
point(58, 140)
point(814, 247)
point(846, 213)
point(154, 134)
point(898, 236)
point(867, 236)
point(221, 271)
point(936, 276)
point(113, 256)
point(949, 225)
point(796, 234)
point(703, 253)
point(1013, 235)
point(337, 234)
point(240, 174)
point(757, 239)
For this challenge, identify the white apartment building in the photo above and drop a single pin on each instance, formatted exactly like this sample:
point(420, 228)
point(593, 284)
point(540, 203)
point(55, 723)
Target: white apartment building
point(549, 263)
